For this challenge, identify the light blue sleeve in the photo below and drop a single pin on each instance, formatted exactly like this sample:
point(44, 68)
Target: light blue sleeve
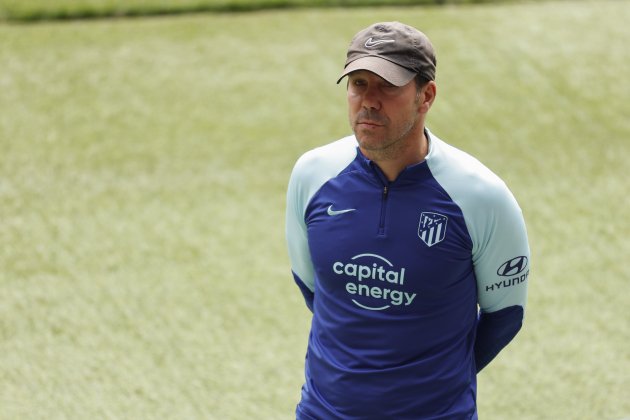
point(500, 253)
point(501, 262)
point(311, 171)
point(296, 235)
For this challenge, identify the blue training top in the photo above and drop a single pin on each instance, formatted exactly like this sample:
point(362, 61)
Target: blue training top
point(415, 285)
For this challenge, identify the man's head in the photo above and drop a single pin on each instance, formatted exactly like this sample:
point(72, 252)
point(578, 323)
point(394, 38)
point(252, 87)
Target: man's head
point(391, 71)
point(392, 50)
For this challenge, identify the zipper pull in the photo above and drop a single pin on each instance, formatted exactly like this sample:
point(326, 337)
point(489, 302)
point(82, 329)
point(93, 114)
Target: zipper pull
point(385, 191)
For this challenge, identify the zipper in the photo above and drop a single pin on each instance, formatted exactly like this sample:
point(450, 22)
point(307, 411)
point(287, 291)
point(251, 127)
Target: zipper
point(381, 226)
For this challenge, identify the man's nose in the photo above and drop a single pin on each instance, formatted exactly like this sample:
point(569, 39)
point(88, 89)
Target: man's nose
point(371, 99)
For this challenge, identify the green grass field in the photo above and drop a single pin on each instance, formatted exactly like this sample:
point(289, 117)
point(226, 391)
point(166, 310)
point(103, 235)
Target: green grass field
point(37, 10)
point(143, 166)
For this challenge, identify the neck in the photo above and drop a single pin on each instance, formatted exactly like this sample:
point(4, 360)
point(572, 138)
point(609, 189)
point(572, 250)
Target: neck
point(395, 159)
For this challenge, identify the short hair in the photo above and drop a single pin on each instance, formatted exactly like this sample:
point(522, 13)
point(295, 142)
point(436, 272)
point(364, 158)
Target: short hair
point(420, 81)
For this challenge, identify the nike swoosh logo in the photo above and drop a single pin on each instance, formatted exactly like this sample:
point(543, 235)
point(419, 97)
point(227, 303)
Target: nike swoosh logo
point(332, 212)
point(371, 43)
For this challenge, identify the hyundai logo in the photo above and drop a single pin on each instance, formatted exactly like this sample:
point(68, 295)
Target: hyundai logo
point(513, 266)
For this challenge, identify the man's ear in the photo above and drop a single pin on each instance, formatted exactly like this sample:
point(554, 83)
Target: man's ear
point(426, 97)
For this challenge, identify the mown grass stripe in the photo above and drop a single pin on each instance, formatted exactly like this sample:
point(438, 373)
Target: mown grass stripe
point(36, 11)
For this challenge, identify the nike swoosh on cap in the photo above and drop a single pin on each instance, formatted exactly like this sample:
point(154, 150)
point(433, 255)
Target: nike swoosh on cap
point(371, 43)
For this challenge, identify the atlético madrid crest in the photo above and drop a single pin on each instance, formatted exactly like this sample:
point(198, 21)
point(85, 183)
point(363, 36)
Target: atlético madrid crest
point(432, 227)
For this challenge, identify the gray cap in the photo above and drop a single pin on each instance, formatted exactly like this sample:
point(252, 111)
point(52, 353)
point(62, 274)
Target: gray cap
point(394, 51)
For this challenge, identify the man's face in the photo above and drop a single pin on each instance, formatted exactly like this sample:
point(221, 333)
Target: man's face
point(381, 114)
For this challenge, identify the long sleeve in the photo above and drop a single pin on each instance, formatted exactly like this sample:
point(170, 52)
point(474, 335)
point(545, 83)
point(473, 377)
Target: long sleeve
point(501, 264)
point(310, 172)
point(297, 241)
point(500, 253)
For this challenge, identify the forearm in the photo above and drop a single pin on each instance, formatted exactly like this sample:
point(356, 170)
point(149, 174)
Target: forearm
point(494, 331)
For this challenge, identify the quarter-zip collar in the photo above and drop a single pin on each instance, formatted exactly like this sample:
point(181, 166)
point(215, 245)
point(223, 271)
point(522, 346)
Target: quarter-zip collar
point(411, 174)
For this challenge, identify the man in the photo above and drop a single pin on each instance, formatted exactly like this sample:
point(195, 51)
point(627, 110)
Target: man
point(412, 255)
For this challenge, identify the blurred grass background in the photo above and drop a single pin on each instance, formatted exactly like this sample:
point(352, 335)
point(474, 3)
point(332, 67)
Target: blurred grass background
point(35, 10)
point(143, 169)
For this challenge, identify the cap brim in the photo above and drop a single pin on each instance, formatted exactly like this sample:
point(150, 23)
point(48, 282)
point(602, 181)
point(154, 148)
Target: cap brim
point(393, 73)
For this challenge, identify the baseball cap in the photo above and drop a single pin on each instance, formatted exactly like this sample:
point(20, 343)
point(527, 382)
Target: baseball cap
point(394, 51)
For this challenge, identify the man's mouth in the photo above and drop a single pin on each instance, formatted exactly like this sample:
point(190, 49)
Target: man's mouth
point(370, 123)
